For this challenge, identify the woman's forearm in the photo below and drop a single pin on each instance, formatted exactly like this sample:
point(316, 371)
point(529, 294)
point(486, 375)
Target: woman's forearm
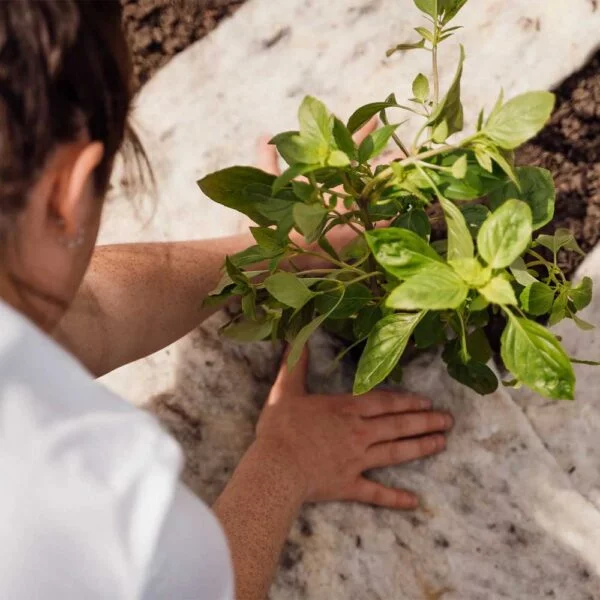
point(257, 510)
point(139, 298)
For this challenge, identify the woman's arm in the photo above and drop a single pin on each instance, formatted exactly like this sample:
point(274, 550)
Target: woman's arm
point(139, 298)
point(312, 448)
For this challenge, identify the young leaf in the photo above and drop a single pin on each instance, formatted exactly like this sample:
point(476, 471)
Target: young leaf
point(536, 190)
point(562, 238)
point(248, 330)
point(339, 302)
point(476, 375)
point(384, 348)
point(499, 291)
point(581, 295)
point(479, 303)
point(447, 118)
point(403, 47)
point(459, 168)
point(449, 9)
point(520, 119)
point(505, 234)
point(343, 139)
point(537, 299)
point(253, 255)
point(288, 289)
point(521, 274)
point(471, 271)
point(434, 287)
point(420, 87)
point(581, 324)
point(415, 220)
point(535, 357)
point(338, 159)
point(296, 149)
point(375, 143)
point(401, 252)
point(425, 34)
point(559, 309)
point(301, 339)
point(308, 217)
point(460, 242)
point(316, 124)
point(484, 159)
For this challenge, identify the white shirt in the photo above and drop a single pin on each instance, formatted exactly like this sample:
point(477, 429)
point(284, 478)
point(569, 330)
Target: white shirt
point(90, 500)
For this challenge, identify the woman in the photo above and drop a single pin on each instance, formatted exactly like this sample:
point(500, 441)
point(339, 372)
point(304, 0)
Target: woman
point(91, 504)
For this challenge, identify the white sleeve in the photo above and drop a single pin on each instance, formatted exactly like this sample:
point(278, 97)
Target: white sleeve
point(191, 560)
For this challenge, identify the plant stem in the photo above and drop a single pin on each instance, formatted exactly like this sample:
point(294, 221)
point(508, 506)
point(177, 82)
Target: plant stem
point(434, 60)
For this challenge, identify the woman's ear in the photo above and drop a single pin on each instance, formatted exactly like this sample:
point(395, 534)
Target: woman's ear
point(75, 186)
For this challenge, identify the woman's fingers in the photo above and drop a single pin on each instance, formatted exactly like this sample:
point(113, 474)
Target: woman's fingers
point(407, 425)
point(379, 403)
point(403, 451)
point(267, 157)
point(370, 492)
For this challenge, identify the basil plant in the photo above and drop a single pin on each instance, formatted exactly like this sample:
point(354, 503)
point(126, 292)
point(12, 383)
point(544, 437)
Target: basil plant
point(396, 287)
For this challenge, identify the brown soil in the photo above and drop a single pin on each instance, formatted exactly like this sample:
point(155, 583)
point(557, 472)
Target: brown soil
point(160, 29)
point(569, 146)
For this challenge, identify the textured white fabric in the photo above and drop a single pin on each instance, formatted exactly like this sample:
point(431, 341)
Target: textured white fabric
point(90, 503)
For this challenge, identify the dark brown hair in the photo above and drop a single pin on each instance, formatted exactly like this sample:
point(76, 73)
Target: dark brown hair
point(64, 69)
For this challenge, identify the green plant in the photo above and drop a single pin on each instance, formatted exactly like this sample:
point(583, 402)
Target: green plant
point(394, 285)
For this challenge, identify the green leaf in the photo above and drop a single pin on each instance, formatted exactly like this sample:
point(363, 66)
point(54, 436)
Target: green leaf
point(475, 375)
point(537, 299)
point(248, 331)
point(235, 273)
point(420, 87)
point(361, 116)
point(290, 174)
point(559, 309)
point(296, 149)
point(521, 274)
point(267, 238)
point(430, 331)
point(449, 9)
point(506, 234)
point(429, 7)
point(316, 124)
point(253, 255)
point(460, 242)
point(484, 159)
point(499, 291)
point(459, 168)
point(434, 287)
point(365, 321)
point(404, 47)
point(447, 118)
point(301, 339)
point(343, 139)
point(240, 188)
point(338, 159)
point(341, 302)
point(415, 220)
point(425, 33)
point(288, 289)
point(581, 295)
point(581, 324)
point(401, 252)
point(309, 217)
point(475, 215)
point(384, 348)
point(471, 271)
point(520, 119)
point(537, 190)
point(375, 143)
point(479, 303)
point(562, 238)
point(534, 356)
point(303, 191)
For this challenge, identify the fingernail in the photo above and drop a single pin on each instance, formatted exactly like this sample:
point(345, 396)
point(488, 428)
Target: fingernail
point(449, 421)
point(425, 403)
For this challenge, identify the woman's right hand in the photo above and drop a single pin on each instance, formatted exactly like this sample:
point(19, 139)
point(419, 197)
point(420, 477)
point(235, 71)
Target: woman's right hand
point(330, 441)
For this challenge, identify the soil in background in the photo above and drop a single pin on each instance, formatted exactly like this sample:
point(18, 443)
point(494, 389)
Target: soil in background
point(569, 146)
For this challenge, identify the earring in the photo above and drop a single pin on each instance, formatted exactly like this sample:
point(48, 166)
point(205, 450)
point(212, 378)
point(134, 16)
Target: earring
point(76, 241)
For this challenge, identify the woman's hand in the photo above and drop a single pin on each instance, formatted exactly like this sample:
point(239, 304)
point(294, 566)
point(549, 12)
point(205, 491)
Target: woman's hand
point(330, 441)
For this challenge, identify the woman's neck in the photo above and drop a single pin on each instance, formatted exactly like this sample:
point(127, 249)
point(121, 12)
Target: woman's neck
point(40, 308)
